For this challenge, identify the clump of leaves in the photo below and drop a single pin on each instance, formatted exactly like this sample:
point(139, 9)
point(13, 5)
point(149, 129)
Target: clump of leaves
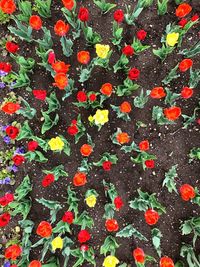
point(104, 6)
point(187, 252)
point(109, 246)
point(22, 204)
point(4, 18)
point(194, 154)
point(53, 206)
point(129, 231)
point(191, 226)
point(156, 236)
point(146, 201)
point(169, 179)
point(87, 256)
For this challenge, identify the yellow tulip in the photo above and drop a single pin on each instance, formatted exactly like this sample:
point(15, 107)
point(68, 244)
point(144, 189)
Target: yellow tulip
point(110, 261)
point(57, 243)
point(102, 50)
point(172, 38)
point(91, 201)
point(56, 143)
point(101, 117)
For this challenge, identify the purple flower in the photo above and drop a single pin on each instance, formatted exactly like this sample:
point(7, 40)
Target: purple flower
point(3, 127)
point(7, 264)
point(1, 181)
point(2, 85)
point(7, 180)
point(6, 139)
point(3, 73)
point(20, 150)
point(14, 168)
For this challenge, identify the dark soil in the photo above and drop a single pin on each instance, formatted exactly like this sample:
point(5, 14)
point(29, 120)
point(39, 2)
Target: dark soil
point(171, 144)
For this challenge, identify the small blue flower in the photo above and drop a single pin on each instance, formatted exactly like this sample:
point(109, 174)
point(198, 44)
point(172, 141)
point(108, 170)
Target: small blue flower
point(6, 139)
point(7, 264)
point(3, 73)
point(2, 85)
point(20, 150)
point(7, 180)
point(14, 168)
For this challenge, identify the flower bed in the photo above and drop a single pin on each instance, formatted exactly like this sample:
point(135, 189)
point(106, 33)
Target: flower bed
point(99, 133)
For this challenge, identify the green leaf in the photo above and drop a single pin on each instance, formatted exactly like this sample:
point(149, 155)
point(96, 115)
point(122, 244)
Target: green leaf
point(179, 264)
point(104, 6)
point(48, 122)
point(192, 51)
point(36, 156)
point(169, 179)
point(163, 52)
point(66, 149)
point(194, 154)
point(54, 207)
point(162, 7)
point(25, 11)
point(138, 46)
point(146, 201)
point(188, 120)
point(25, 132)
point(156, 236)
point(171, 97)
point(194, 78)
point(23, 189)
point(171, 76)
point(91, 37)
point(23, 207)
point(132, 147)
point(84, 220)
point(62, 227)
point(53, 103)
point(57, 171)
point(26, 111)
point(21, 31)
point(110, 245)
point(66, 46)
point(72, 200)
point(129, 231)
point(127, 88)
point(191, 226)
point(46, 42)
point(44, 8)
point(142, 99)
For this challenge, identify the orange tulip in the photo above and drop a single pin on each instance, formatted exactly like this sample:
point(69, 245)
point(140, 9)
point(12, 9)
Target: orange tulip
point(183, 10)
point(86, 150)
point(172, 113)
point(61, 80)
point(123, 138)
point(35, 263)
point(68, 4)
point(13, 252)
point(166, 262)
point(44, 229)
point(10, 107)
point(83, 57)
point(7, 6)
point(79, 179)
point(61, 28)
point(106, 89)
point(60, 66)
point(157, 92)
point(35, 22)
point(125, 107)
